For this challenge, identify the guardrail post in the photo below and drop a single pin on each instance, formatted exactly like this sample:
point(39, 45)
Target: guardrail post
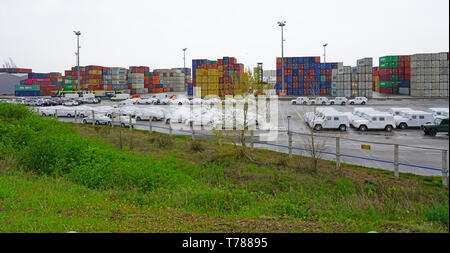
point(56, 113)
point(93, 118)
point(396, 160)
point(150, 119)
point(131, 123)
point(338, 153)
point(444, 168)
point(170, 127)
point(290, 144)
point(251, 139)
point(112, 119)
point(192, 130)
point(75, 116)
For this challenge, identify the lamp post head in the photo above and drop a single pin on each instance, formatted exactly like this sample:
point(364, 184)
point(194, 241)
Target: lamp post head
point(77, 33)
point(184, 49)
point(326, 44)
point(281, 23)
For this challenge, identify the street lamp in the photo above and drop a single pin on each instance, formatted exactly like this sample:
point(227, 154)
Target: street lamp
point(78, 33)
point(282, 24)
point(184, 66)
point(324, 52)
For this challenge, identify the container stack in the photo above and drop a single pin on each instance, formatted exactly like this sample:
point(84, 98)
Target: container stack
point(15, 70)
point(93, 77)
point(221, 77)
point(376, 79)
point(155, 84)
point(341, 81)
point(395, 74)
point(136, 79)
point(115, 78)
point(172, 79)
point(40, 84)
point(429, 75)
point(362, 78)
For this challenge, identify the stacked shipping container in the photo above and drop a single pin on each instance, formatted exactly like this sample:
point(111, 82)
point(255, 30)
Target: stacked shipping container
point(221, 77)
point(115, 78)
point(375, 79)
point(39, 84)
point(172, 79)
point(136, 79)
point(429, 75)
point(350, 81)
point(395, 74)
point(15, 70)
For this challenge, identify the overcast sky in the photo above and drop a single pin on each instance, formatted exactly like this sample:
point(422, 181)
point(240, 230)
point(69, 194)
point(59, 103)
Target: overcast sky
point(38, 34)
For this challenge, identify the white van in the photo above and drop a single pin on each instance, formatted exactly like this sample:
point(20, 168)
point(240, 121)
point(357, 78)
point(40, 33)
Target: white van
point(339, 101)
point(300, 101)
point(413, 119)
point(395, 111)
point(375, 120)
point(358, 113)
point(121, 97)
point(437, 111)
point(330, 120)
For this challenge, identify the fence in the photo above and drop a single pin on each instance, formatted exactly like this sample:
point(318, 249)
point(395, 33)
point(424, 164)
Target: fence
point(388, 156)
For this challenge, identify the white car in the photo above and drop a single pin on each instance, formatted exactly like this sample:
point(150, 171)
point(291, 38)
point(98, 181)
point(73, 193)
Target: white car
point(300, 101)
point(395, 111)
point(358, 101)
point(71, 102)
point(319, 101)
point(180, 101)
point(359, 112)
point(123, 121)
point(413, 119)
point(65, 112)
point(150, 114)
point(144, 101)
point(375, 120)
point(438, 111)
point(339, 101)
point(99, 120)
point(46, 112)
point(197, 101)
point(330, 120)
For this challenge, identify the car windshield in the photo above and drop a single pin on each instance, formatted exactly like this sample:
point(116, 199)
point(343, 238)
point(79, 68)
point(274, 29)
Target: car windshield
point(437, 121)
point(366, 116)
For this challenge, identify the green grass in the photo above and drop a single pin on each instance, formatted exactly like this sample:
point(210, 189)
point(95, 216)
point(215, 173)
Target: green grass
point(57, 177)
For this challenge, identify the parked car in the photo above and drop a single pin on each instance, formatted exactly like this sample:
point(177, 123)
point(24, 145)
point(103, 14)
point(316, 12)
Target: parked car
point(64, 112)
point(395, 111)
point(150, 114)
point(124, 121)
point(358, 101)
point(319, 101)
point(71, 102)
point(90, 100)
point(413, 119)
point(300, 101)
point(46, 112)
point(339, 101)
point(330, 120)
point(375, 120)
point(359, 112)
point(144, 101)
point(439, 125)
point(99, 120)
point(437, 111)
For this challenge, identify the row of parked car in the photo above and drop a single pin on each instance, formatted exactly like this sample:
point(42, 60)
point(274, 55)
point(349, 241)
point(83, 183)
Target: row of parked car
point(326, 101)
point(432, 121)
point(54, 101)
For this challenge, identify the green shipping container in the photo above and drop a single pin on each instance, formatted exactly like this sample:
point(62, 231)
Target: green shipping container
point(323, 78)
point(383, 60)
point(55, 74)
point(67, 87)
point(27, 87)
point(394, 77)
point(394, 65)
point(383, 84)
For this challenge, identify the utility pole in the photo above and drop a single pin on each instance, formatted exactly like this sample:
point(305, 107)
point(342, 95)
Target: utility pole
point(78, 33)
point(282, 24)
point(184, 67)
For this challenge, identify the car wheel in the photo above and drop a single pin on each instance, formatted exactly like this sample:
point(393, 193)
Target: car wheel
point(68, 115)
point(138, 118)
point(304, 103)
point(44, 115)
point(343, 103)
point(317, 127)
point(123, 124)
point(82, 115)
point(389, 128)
point(97, 122)
point(352, 103)
point(323, 103)
point(342, 128)
point(109, 123)
point(363, 103)
point(84, 121)
point(332, 103)
point(180, 103)
point(294, 103)
point(403, 126)
point(433, 132)
point(362, 128)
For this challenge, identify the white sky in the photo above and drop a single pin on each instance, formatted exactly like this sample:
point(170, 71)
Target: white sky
point(38, 34)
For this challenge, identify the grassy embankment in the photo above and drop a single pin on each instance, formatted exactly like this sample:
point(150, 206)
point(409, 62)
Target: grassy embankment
point(58, 177)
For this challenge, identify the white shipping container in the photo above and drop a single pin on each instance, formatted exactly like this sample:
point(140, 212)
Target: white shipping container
point(443, 56)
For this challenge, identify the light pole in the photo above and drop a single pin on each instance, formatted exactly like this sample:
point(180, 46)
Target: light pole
point(324, 52)
point(282, 24)
point(78, 57)
point(184, 67)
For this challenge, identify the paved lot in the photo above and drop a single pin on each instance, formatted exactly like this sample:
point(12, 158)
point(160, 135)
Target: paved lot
point(377, 153)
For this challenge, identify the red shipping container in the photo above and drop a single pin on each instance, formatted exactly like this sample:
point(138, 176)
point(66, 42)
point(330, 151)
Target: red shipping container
point(48, 93)
point(311, 72)
point(278, 60)
point(317, 59)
